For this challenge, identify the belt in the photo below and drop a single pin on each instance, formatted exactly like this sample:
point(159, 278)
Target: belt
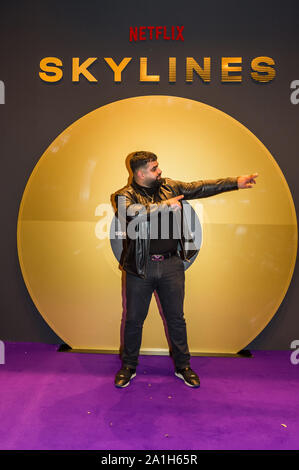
point(162, 257)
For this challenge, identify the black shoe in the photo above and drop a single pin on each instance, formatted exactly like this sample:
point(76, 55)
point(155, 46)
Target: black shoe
point(123, 377)
point(188, 376)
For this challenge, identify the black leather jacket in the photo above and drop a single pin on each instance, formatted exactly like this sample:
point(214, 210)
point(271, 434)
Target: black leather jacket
point(135, 204)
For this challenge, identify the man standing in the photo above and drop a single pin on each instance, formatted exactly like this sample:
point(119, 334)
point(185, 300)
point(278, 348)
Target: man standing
point(155, 263)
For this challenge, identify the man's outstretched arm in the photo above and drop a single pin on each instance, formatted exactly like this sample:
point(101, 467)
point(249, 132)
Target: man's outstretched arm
point(206, 188)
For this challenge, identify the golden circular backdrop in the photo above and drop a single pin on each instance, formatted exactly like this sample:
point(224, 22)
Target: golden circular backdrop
point(249, 237)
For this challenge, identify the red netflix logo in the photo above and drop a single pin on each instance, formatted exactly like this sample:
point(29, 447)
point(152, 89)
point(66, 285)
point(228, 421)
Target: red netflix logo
point(144, 33)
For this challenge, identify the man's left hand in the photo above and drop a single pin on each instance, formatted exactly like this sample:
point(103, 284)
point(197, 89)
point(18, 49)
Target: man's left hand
point(247, 181)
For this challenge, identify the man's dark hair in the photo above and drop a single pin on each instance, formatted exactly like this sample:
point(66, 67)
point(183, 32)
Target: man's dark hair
point(140, 159)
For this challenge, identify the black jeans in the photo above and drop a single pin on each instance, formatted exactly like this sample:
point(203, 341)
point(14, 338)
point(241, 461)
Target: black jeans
point(167, 278)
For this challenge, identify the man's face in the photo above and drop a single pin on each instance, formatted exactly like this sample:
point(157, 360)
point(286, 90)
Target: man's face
point(151, 174)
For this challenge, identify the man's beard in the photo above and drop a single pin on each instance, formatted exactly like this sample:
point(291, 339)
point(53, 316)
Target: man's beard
point(156, 183)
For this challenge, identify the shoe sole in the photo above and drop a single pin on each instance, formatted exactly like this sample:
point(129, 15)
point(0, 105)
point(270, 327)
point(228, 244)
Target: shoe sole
point(123, 386)
point(182, 377)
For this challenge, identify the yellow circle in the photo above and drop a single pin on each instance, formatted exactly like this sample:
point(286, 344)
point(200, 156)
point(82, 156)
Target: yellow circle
point(249, 244)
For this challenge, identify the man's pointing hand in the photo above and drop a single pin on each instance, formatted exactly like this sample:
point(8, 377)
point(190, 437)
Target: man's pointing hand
point(247, 181)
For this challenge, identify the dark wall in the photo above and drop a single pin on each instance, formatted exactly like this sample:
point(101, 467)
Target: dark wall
point(35, 112)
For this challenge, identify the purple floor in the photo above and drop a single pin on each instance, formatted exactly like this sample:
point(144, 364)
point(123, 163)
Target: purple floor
point(56, 400)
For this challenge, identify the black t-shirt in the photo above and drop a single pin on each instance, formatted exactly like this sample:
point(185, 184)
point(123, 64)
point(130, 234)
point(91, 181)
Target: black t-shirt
point(159, 245)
